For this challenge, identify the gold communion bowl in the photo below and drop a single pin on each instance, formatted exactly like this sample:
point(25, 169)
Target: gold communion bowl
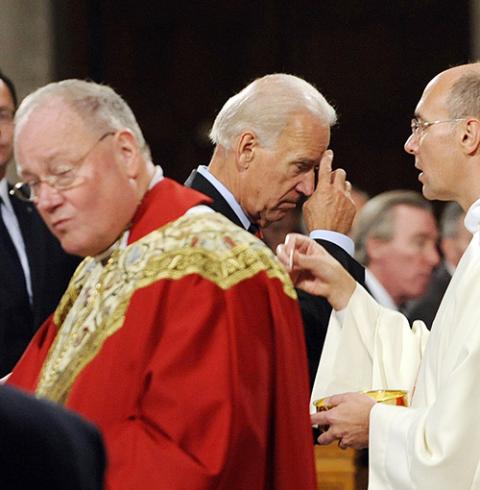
point(389, 397)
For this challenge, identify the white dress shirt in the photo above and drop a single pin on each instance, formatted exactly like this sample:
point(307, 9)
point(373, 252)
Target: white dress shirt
point(13, 228)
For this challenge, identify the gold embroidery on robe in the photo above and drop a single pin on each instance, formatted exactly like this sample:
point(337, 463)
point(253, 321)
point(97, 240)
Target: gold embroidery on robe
point(95, 303)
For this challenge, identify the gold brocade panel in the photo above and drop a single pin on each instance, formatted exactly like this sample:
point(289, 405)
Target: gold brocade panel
point(95, 303)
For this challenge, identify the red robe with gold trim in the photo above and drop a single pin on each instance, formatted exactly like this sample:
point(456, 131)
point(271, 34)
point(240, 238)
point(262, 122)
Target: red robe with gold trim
point(186, 349)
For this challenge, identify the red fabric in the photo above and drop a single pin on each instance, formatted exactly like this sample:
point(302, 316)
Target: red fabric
point(201, 388)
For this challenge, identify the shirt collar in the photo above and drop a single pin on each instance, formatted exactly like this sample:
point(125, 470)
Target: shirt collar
point(4, 194)
point(378, 291)
point(157, 177)
point(472, 218)
point(227, 195)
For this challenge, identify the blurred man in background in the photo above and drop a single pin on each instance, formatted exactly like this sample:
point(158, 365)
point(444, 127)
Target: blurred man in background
point(395, 237)
point(453, 243)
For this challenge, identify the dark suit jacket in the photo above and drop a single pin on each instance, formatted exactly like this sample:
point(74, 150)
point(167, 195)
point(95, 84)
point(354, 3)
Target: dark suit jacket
point(315, 310)
point(44, 446)
point(425, 308)
point(50, 270)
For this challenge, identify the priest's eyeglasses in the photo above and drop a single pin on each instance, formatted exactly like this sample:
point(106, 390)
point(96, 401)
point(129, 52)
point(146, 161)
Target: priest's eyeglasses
point(418, 127)
point(63, 176)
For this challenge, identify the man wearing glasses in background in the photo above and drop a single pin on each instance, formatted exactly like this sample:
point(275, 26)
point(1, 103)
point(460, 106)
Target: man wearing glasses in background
point(180, 334)
point(434, 443)
point(34, 270)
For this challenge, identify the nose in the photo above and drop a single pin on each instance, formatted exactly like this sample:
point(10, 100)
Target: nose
point(411, 144)
point(307, 185)
point(47, 198)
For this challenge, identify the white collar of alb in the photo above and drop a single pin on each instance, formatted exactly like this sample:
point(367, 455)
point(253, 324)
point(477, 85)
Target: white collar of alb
point(472, 218)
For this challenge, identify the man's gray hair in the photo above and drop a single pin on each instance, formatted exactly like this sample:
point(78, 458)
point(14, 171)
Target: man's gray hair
point(100, 107)
point(375, 219)
point(265, 106)
point(464, 97)
point(449, 220)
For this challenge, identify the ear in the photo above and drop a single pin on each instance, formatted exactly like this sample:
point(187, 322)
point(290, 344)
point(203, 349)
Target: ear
point(471, 136)
point(128, 150)
point(245, 147)
point(376, 248)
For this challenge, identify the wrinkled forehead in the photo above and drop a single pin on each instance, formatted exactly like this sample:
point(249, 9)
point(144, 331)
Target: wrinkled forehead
point(48, 129)
point(51, 123)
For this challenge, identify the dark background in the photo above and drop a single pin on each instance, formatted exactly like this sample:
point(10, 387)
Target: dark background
point(177, 62)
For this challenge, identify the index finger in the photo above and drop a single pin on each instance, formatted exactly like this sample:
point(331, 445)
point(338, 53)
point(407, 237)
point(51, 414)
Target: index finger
point(325, 168)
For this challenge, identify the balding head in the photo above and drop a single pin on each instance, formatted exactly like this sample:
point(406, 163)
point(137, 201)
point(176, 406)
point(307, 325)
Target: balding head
point(446, 136)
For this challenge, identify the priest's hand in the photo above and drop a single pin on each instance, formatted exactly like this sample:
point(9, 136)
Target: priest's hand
point(314, 270)
point(345, 421)
point(330, 207)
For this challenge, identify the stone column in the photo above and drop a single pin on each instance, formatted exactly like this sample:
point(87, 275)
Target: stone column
point(26, 45)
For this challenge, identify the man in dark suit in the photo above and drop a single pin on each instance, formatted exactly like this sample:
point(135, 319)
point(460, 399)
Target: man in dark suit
point(395, 237)
point(271, 140)
point(34, 270)
point(453, 243)
point(45, 446)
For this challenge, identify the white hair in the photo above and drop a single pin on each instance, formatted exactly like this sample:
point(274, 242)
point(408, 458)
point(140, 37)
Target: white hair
point(265, 106)
point(99, 106)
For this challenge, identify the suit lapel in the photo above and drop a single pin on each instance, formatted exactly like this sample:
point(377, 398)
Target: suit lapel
point(33, 233)
point(200, 183)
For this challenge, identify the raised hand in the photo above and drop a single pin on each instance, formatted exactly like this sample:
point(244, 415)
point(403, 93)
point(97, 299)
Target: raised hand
point(316, 271)
point(330, 207)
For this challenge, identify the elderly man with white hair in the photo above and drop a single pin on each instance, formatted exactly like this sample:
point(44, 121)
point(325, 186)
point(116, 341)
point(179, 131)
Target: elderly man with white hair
point(271, 143)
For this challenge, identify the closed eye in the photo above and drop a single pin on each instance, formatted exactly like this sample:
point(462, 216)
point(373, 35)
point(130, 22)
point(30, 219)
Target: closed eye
point(304, 167)
point(59, 171)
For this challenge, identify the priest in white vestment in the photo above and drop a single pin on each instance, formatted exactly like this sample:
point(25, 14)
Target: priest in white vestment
point(434, 443)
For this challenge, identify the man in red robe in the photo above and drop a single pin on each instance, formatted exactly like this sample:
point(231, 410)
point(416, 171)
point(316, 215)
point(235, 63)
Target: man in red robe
point(179, 334)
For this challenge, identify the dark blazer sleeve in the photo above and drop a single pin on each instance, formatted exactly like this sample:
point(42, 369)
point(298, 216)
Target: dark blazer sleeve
point(316, 310)
point(47, 447)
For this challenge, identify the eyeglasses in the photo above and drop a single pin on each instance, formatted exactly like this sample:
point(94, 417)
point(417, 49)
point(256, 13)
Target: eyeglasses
point(6, 117)
point(418, 127)
point(64, 176)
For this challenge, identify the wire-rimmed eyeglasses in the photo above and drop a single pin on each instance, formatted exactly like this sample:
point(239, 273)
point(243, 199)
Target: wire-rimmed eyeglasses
point(418, 127)
point(63, 177)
